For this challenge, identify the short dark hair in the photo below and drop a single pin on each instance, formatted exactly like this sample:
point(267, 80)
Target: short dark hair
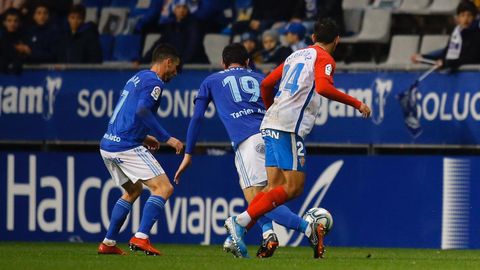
point(235, 53)
point(44, 5)
point(78, 9)
point(467, 6)
point(10, 12)
point(326, 31)
point(164, 51)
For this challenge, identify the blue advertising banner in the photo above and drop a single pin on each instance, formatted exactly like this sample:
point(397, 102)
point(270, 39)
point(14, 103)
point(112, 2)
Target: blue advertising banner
point(75, 105)
point(421, 201)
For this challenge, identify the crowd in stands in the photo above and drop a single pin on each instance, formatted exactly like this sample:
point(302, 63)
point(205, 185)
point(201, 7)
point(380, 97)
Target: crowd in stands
point(85, 31)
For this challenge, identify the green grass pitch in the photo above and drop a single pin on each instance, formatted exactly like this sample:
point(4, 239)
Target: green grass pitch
point(16, 255)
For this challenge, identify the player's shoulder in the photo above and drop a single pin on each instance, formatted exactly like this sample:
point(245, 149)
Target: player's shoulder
point(149, 78)
point(322, 55)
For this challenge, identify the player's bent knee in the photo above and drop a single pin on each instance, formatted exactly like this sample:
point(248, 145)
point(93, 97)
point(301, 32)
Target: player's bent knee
point(169, 190)
point(160, 186)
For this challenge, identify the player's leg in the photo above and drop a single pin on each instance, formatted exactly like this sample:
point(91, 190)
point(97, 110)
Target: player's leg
point(282, 215)
point(287, 159)
point(141, 165)
point(249, 161)
point(122, 206)
point(161, 190)
point(288, 152)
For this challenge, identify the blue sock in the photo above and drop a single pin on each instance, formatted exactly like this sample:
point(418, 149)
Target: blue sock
point(265, 223)
point(119, 214)
point(151, 212)
point(285, 217)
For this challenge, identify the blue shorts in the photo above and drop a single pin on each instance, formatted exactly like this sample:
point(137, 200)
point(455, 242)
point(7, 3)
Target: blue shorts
point(284, 150)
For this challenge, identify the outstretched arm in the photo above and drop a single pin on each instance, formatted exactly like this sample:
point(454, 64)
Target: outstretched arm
point(201, 105)
point(324, 87)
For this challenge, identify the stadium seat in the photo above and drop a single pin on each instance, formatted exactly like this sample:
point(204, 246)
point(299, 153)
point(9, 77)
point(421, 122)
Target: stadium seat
point(91, 14)
point(95, 3)
point(375, 27)
point(352, 19)
point(112, 20)
point(150, 39)
point(432, 43)
point(127, 48)
point(443, 6)
point(106, 41)
point(391, 4)
point(355, 4)
point(214, 44)
point(402, 48)
point(123, 3)
point(414, 6)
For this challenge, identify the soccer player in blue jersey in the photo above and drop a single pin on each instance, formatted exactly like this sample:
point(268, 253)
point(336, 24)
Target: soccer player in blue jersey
point(235, 92)
point(134, 124)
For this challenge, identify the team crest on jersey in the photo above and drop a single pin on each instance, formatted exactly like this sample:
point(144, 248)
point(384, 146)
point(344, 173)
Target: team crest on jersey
point(260, 148)
point(328, 69)
point(156, 93)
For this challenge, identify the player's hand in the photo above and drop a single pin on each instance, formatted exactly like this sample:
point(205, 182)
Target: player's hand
point(151, 143)
point(439, 63)
point(365, 110)
point(187, 160)
point(175, 144)
point(415, 58)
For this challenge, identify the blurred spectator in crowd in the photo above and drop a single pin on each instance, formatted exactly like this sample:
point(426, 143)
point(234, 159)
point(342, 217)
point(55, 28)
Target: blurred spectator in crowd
point(210, 13)
point(183, 33)
point(311, 10)
point(464, 43)
point(144, 15)
point(58, 8)
point(273, 52)
point(266, 14)
point(294, 35)
point(41, 37)
point(11, 56)
point(6, 4)
point(249, 41)
point(80, 43)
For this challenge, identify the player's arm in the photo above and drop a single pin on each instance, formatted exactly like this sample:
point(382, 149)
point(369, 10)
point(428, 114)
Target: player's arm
point(144, 112)
point(324, 86)
point(151, 143)
point(268, 84)
point(201, 105)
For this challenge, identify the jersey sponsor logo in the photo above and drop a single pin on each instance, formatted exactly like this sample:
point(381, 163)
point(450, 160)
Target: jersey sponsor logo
point(328, 69)
point(156, 92)
point(112, 137)
point(271, 133)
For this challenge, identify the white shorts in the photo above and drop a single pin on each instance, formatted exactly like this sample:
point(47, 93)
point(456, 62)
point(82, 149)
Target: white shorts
point(132, 165)
point(250, 162)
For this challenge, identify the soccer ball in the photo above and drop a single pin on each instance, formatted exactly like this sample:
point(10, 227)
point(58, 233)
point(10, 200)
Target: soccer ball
point(319, 215)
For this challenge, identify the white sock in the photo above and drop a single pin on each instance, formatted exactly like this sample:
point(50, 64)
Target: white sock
point(244, 219)
point(308, 231)
point(141, 235)
point(109, 242)
point(267, 233)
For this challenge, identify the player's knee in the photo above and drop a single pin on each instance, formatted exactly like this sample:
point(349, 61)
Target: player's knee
point(133, 192)
point(169, 190)
point(294, 190)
